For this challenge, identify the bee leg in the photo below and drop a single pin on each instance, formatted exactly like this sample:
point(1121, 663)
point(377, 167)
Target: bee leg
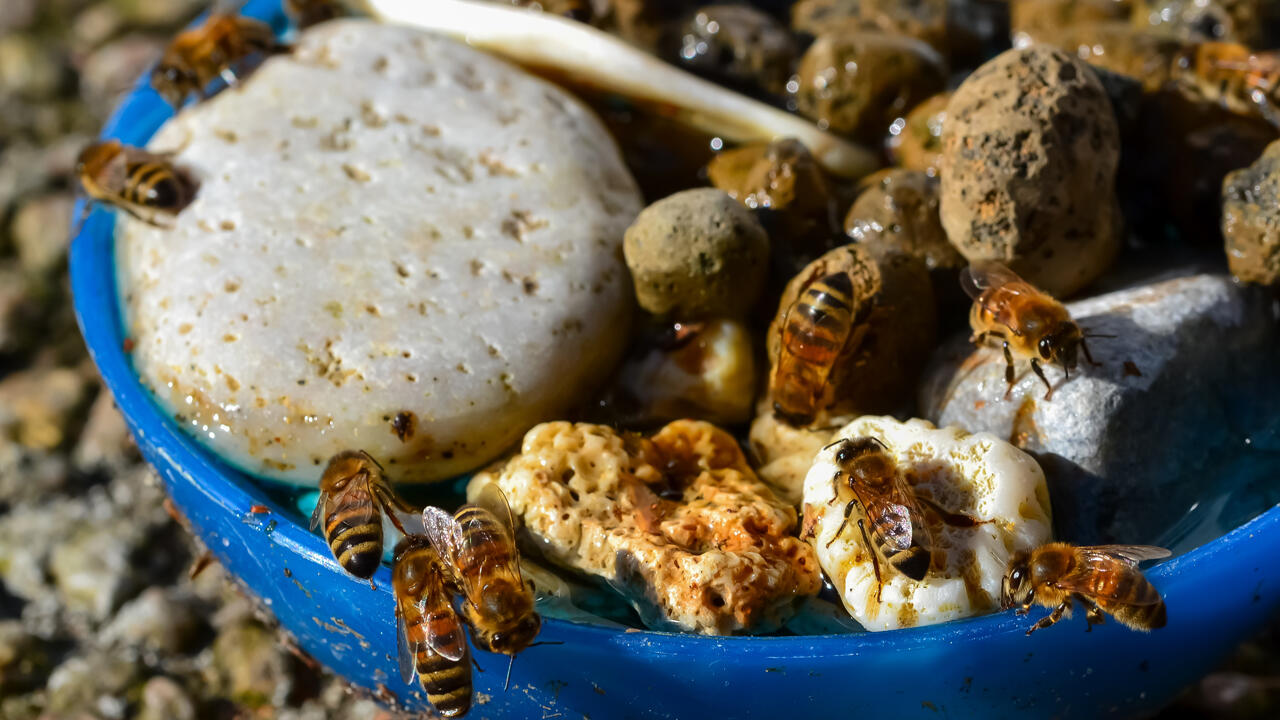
point(1087, 356)
point(1008, 370)
point(1092, 613)
point(372, 585)
point(835, 489)
point(1035, 366)
point(847, 509)
point(875, 562)
point(1052, 617)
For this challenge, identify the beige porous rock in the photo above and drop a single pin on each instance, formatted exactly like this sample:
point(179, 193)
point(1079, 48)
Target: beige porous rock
point(995, 492)
point(676, 521)
point(399, 244)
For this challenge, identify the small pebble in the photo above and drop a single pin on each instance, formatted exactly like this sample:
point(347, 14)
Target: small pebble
point(697, 254)
point(1251, 219)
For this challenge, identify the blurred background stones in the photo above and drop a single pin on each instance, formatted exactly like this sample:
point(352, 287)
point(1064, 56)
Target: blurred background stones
point(98, 617)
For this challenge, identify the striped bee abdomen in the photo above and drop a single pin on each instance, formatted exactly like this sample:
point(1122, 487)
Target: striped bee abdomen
point(355, 535)
point(447, 682)
point(815, 332)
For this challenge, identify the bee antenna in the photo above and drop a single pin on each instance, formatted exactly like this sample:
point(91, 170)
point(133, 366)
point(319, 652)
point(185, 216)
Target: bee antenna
point(373, 460)
point(831, 445)
point(879, 442)
point(510, 665)
point(546, 642)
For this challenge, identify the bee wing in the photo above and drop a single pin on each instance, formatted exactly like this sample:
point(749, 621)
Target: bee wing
point(491, 498)
point(443, 531)
point(1132, 554)
point(893, 523)
point(406, 650)
point(317, 515)
point(982, 275)
point(1109, 560)
point(451, 645)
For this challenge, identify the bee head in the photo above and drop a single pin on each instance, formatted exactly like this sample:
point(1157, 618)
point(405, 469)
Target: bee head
point(1016, 588)
point(864, 459)
point(1062, 345)
point(512, 639)
point(171, 82)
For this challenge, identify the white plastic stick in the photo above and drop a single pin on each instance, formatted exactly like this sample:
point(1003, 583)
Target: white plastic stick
point(545, 41)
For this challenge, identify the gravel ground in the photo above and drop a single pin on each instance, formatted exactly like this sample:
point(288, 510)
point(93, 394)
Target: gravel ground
point(98, 617)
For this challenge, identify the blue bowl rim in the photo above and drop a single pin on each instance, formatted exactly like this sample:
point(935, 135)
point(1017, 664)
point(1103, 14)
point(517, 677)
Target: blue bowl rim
point(102, 325)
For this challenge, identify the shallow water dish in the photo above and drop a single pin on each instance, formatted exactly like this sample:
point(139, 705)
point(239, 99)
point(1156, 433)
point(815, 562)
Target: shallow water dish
point(1218, 594)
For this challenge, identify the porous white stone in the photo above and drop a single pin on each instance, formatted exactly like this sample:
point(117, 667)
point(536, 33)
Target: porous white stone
point(978, 475)
point(388, 223)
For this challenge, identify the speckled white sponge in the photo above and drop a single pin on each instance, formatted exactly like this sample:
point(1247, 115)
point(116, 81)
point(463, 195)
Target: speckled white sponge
point(399, 244)
point(979, 475)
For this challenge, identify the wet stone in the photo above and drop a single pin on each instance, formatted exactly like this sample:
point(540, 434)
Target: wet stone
point(1251, 219)
point(486, 305)
point(899, 209)
point(736, 45)
point(790, 193)
point(921, 19)
point(1030, 151)
point(915, 141)
point(856, 84)
point(1190, 370)
point(1042, 21)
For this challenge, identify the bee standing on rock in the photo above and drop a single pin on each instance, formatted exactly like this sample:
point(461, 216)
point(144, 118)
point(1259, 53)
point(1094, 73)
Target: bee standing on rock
point(479, 549)
point(429, 637)
point(1102, 578)
point(1010, 313)
point(353, 496)
point(815, 331)
point(197, 56)
point(146, 185)
point(887, 503)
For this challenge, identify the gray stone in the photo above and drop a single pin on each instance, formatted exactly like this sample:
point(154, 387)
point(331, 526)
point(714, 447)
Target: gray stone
point(40, 231)
point(1184, 391)
point(164, 699)
point(28, 535)
point(252, 667)
point(94, 683)
point(92, 569)
point(105, 441)
point(38, 406)
point(695, 254)
point(159, 619)
point(24, 660)
point(29, 67)
point(108, 73)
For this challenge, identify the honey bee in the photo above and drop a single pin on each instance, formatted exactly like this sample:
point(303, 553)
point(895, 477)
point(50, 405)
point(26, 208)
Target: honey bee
point(479, 549)
point(429, 637)
point(1241, 80)
point(146, 185)
point(306, 13)
point(1102, 578)
point(815, 330)
point(197, 56)
point(353, 496)
point(887, 503)
point(1010, 313)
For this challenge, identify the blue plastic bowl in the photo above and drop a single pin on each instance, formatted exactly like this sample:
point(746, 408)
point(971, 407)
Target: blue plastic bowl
point(1218, 595)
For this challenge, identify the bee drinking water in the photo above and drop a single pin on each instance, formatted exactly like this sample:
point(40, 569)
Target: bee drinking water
point(892, 525)
point(353, 497)
point(1102, 578)
point(212, 50)
point(144, 184)
point(429, 638)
